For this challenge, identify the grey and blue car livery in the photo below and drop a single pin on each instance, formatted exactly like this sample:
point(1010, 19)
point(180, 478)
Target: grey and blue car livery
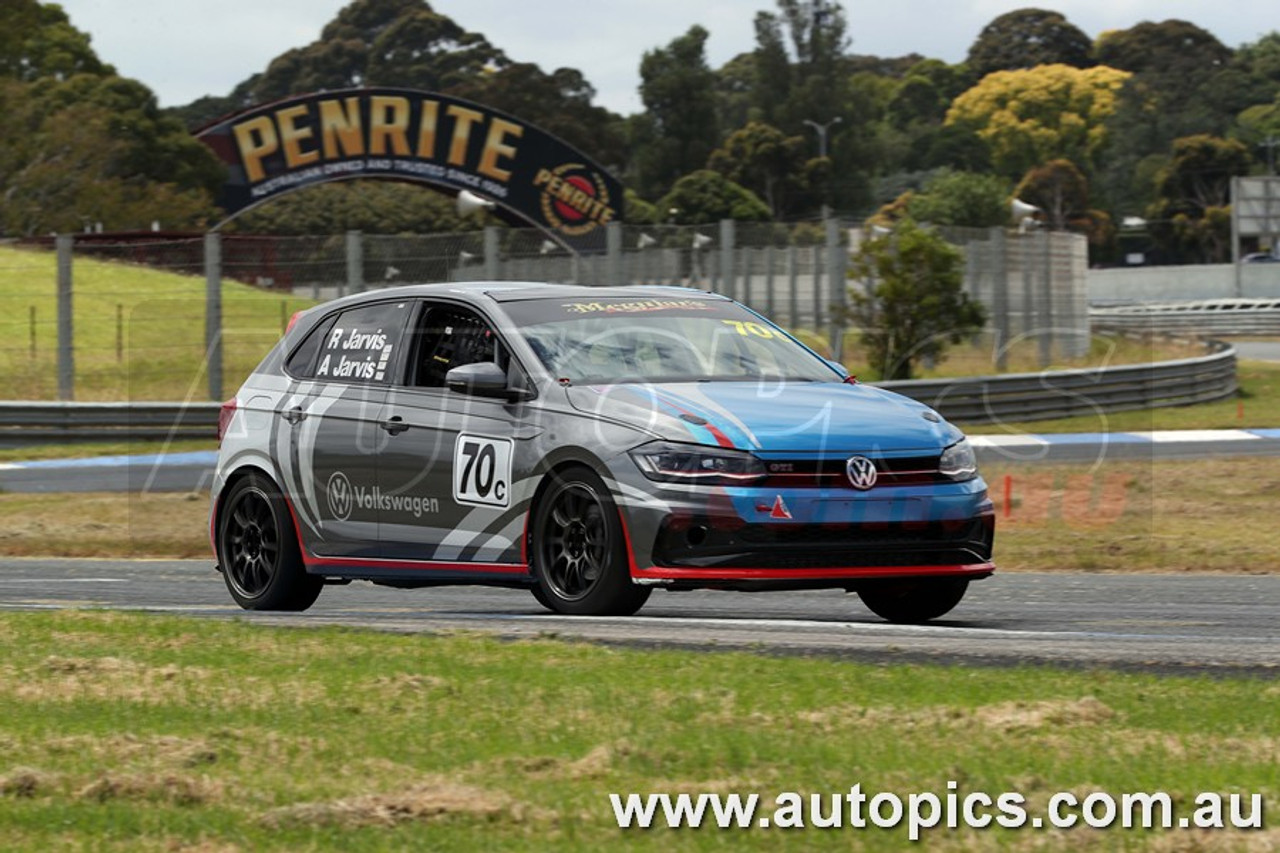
point(588, 444)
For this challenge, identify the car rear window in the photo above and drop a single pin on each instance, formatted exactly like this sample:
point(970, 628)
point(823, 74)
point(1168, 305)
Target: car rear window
point(361, 344)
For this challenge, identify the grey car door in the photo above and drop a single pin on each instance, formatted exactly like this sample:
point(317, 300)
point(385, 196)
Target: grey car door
point(334, 437)
point(447, 476)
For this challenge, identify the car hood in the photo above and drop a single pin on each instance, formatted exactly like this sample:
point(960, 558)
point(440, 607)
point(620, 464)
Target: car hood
point(772, 417)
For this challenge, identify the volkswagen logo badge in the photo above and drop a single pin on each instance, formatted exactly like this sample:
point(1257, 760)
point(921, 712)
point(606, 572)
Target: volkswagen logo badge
point(338, 491)
point(861, 471)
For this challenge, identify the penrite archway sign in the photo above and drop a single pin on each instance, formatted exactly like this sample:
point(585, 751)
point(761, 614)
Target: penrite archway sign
point(531, 176)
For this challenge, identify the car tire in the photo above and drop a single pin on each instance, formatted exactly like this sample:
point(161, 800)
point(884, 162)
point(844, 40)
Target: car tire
point(913, 602)
point(579, 556)
point(258, 549)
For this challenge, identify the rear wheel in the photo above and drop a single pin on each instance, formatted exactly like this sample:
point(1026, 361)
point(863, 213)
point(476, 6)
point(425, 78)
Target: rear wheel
point(580, 560)
point(258, 549)
point(913, 601)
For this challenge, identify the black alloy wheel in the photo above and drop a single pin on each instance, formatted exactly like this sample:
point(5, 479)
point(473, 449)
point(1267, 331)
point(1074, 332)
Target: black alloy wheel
point(580, 559)
point(258, 550)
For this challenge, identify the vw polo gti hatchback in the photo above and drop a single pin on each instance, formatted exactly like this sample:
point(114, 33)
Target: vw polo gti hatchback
point(589, 445)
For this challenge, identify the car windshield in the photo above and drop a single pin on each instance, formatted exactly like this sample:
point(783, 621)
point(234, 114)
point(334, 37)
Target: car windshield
point(661, 339)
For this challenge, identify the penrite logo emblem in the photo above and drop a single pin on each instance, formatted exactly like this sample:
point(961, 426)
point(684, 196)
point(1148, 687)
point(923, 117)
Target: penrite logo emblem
point(861, 471)
point(339, 494)
point(575, 200)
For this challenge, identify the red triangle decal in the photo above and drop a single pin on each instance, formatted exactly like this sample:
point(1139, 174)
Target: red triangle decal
point(779, 509)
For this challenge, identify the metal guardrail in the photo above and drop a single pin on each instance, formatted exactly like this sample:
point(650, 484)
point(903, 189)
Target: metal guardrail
point(1066, 393)
point(40, 422)
point(982, 399)
point(1204, 317)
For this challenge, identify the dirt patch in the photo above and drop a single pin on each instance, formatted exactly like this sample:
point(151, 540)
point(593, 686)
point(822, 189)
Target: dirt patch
point(1019, 716)
point(67, 679)
point(432, 799)
point(169, 788)
point(24, 782)
point(596, 763)
point(124, 748)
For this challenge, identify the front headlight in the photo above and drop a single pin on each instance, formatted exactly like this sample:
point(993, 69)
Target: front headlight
point(958, 461)
point(693, 463)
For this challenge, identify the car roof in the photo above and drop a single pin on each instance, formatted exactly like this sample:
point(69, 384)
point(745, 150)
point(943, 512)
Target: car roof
point(520, 291)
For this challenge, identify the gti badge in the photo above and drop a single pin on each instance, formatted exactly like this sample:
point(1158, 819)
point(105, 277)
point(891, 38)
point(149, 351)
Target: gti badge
point(861, 471)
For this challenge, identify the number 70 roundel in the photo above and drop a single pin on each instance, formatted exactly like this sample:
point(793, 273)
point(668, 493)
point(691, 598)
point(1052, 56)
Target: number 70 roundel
point(482, 470)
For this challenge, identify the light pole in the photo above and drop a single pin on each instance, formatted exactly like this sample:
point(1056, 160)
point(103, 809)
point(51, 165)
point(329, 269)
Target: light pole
point(821, 130)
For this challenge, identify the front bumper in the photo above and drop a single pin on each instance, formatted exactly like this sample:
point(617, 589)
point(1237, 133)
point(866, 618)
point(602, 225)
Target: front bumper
point(751, 538)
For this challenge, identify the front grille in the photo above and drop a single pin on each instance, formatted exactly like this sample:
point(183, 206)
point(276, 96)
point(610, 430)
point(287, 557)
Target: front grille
point(830, 473)
point(782, 546)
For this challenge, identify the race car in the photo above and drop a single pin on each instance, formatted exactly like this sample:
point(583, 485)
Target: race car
point(588, 444)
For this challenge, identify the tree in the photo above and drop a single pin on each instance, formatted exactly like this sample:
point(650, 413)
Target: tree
point(706, 196)
point(559, 103)
point(1061, 191)
point(1026, 38)
point(1192, 215)
point(962, 198)
point(678, 131)
point(762, 159)
point(913, 305)
point(38, 41)
point(1030, 117)
point(369, 43)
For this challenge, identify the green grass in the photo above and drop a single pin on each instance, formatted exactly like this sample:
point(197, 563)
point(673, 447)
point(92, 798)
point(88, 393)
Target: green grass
point(131, 732)
point(139, 332)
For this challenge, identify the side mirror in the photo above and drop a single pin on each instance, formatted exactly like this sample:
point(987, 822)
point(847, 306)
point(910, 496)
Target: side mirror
point(482, 379)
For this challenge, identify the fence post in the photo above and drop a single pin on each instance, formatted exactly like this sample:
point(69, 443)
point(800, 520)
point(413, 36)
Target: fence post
point(1000, 296)
point(815, 264)
point(727, 239)
point(355, 262)
point(839, 287)
point(613, 254)
point(63, 244)
point(213, 312)
point(1045, 318)
point(793, 288)
point(769, 254)
point(492, 258)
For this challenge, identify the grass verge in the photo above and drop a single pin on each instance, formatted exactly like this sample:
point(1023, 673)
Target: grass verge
point(1179, 516)
point(83, 450)
point(132, 732)
point(139, 331)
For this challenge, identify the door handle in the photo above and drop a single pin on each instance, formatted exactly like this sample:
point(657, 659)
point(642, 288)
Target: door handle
point(395, 425)
point(294, 415)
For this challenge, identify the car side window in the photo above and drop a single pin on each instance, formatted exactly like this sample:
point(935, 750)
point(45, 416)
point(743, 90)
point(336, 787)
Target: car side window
point(362, 343)
point(449, 337)
point(302, 362)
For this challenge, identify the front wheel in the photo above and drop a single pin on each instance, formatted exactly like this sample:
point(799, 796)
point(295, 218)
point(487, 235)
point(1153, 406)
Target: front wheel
point(580, 560)
point(913, 601)
point(258, 550)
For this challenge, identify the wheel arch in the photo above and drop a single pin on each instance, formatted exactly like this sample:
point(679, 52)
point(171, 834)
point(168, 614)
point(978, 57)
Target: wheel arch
point(233, 479)
point(553, 463)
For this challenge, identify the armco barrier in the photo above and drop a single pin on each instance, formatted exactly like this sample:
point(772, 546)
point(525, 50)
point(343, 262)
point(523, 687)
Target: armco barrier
point(27, 422)
point(982, 399)
point(1065, 393)
point(1205, 317)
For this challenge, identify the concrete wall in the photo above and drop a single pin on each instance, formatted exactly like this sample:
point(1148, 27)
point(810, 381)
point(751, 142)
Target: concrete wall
point(1166, 284)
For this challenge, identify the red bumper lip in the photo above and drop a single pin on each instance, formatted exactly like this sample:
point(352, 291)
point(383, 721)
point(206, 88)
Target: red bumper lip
point(971, 570)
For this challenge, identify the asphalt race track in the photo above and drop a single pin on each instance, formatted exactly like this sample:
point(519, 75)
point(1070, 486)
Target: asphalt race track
point(1166, 623)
